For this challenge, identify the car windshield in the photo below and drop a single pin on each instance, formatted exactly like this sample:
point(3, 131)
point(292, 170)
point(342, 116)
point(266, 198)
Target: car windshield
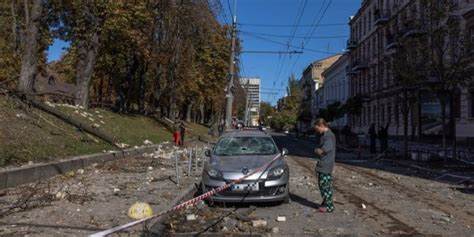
point(235, 146)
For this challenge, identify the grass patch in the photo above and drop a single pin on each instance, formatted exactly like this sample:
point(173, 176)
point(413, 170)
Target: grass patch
point(29, 134)
point(129, 129)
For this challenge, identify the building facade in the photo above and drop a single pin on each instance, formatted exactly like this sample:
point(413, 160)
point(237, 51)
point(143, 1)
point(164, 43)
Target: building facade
point(251, 86)
point(335, 87)
point(375, 30)
point(310, 82)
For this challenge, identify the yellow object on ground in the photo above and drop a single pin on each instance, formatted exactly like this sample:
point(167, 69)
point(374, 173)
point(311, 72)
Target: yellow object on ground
point(140, 210)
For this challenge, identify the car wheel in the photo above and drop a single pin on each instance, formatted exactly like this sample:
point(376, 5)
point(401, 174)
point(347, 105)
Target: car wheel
point(209, 200)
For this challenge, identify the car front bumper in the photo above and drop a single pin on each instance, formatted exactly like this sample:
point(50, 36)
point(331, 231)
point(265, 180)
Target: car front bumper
point(268, 191)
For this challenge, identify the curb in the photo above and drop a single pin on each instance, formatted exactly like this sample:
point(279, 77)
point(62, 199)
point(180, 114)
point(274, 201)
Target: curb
point(158, 227)
point(22, 175)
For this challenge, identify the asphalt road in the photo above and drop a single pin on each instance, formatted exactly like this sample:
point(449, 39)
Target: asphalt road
point(370, 201)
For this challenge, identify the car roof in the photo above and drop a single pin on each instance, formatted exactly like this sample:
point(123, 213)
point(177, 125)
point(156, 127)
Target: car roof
point(245, 133)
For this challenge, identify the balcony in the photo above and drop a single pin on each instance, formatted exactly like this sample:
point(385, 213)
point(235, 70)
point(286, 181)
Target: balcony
point(351, 44)
point(412, 29)
point(381, 17)
point(391, 44)
point(359, 65)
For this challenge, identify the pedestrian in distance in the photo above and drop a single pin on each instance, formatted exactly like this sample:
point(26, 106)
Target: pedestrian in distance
point(182, 130)
point(325, 156)
point(176, 135)
point(383, 134)
point(373, 138)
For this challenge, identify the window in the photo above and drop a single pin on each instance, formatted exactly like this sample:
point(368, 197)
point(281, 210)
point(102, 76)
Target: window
point(238, 146)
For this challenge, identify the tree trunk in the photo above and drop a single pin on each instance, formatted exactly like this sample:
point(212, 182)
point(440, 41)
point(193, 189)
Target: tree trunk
point(29, 57)
point(141, 93)
point(201, 110)
point(189, 109)
point(87, 55)
point(15, 28)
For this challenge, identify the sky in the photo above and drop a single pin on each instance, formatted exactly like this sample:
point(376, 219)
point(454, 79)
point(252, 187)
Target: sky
point(267, 25)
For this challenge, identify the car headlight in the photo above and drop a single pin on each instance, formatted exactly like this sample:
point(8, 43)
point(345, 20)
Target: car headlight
point(277, 172)
point(213, 173)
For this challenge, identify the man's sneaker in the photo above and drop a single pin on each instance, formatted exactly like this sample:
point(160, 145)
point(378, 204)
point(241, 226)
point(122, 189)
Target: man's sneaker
point(324, 210)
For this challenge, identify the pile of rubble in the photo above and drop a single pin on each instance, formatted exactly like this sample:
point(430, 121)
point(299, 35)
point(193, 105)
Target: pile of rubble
point(99, 196)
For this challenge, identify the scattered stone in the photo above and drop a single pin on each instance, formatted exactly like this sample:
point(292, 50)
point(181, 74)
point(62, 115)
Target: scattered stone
point(191, 217)
point(150, 168)
point(21, 116)
point(102, 122)
point(371, 184)
point(116, 190)
point(147, 142)
point(363, 206)
point(281, 218)
point(95, 125)
point(70, 174)
point(259, 223)
point(224, 229)
point(78, 210)
point(80, 171)
point(275, 230)
point(346, 212)
point(353, 177)
point(60, 195)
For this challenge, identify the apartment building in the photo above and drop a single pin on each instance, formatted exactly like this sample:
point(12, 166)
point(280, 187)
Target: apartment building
point(335, 87)
point(375, 30)
point(251, 86)
point(310, 82)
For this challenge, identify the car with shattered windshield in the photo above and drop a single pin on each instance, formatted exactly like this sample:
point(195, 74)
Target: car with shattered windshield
point(240, 153)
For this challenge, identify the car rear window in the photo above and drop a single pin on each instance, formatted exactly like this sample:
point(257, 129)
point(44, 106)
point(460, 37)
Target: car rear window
point(235, 146)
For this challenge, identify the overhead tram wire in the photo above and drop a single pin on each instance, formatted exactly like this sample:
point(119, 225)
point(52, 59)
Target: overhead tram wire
point(296, 37)
point(291, 46)
point(312, 32)
point(272, 25)
point(312, 23)
point(230, 8)
point(299, 15)
point(223, 13)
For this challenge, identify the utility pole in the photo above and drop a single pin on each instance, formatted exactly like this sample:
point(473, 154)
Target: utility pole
point(229, 96)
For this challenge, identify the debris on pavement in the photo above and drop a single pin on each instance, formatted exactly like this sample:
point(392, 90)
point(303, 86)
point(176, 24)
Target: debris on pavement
point(140, 210)
point(259, 223)
point(281, 218)
point(191, 217)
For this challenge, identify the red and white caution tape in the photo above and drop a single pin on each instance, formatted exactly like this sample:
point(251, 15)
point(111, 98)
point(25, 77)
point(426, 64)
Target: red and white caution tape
point(188, 203)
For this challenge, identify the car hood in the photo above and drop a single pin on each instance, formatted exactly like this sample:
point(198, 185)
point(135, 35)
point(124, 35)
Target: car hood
point(232, 166)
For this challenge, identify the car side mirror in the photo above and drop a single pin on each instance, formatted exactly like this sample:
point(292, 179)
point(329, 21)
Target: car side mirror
point(207, 153)
point(284, 152)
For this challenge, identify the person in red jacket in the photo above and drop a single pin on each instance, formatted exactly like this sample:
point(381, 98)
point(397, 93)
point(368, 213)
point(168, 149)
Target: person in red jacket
point(176, 136)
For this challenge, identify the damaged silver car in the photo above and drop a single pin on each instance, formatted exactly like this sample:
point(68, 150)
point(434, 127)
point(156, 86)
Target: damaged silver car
point(239, 153)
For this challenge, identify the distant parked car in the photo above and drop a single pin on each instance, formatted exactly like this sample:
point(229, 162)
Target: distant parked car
point(239, 153)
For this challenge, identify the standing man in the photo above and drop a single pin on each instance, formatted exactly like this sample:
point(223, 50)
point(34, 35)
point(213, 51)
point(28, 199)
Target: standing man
point(326, 154)
point(373, 137)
